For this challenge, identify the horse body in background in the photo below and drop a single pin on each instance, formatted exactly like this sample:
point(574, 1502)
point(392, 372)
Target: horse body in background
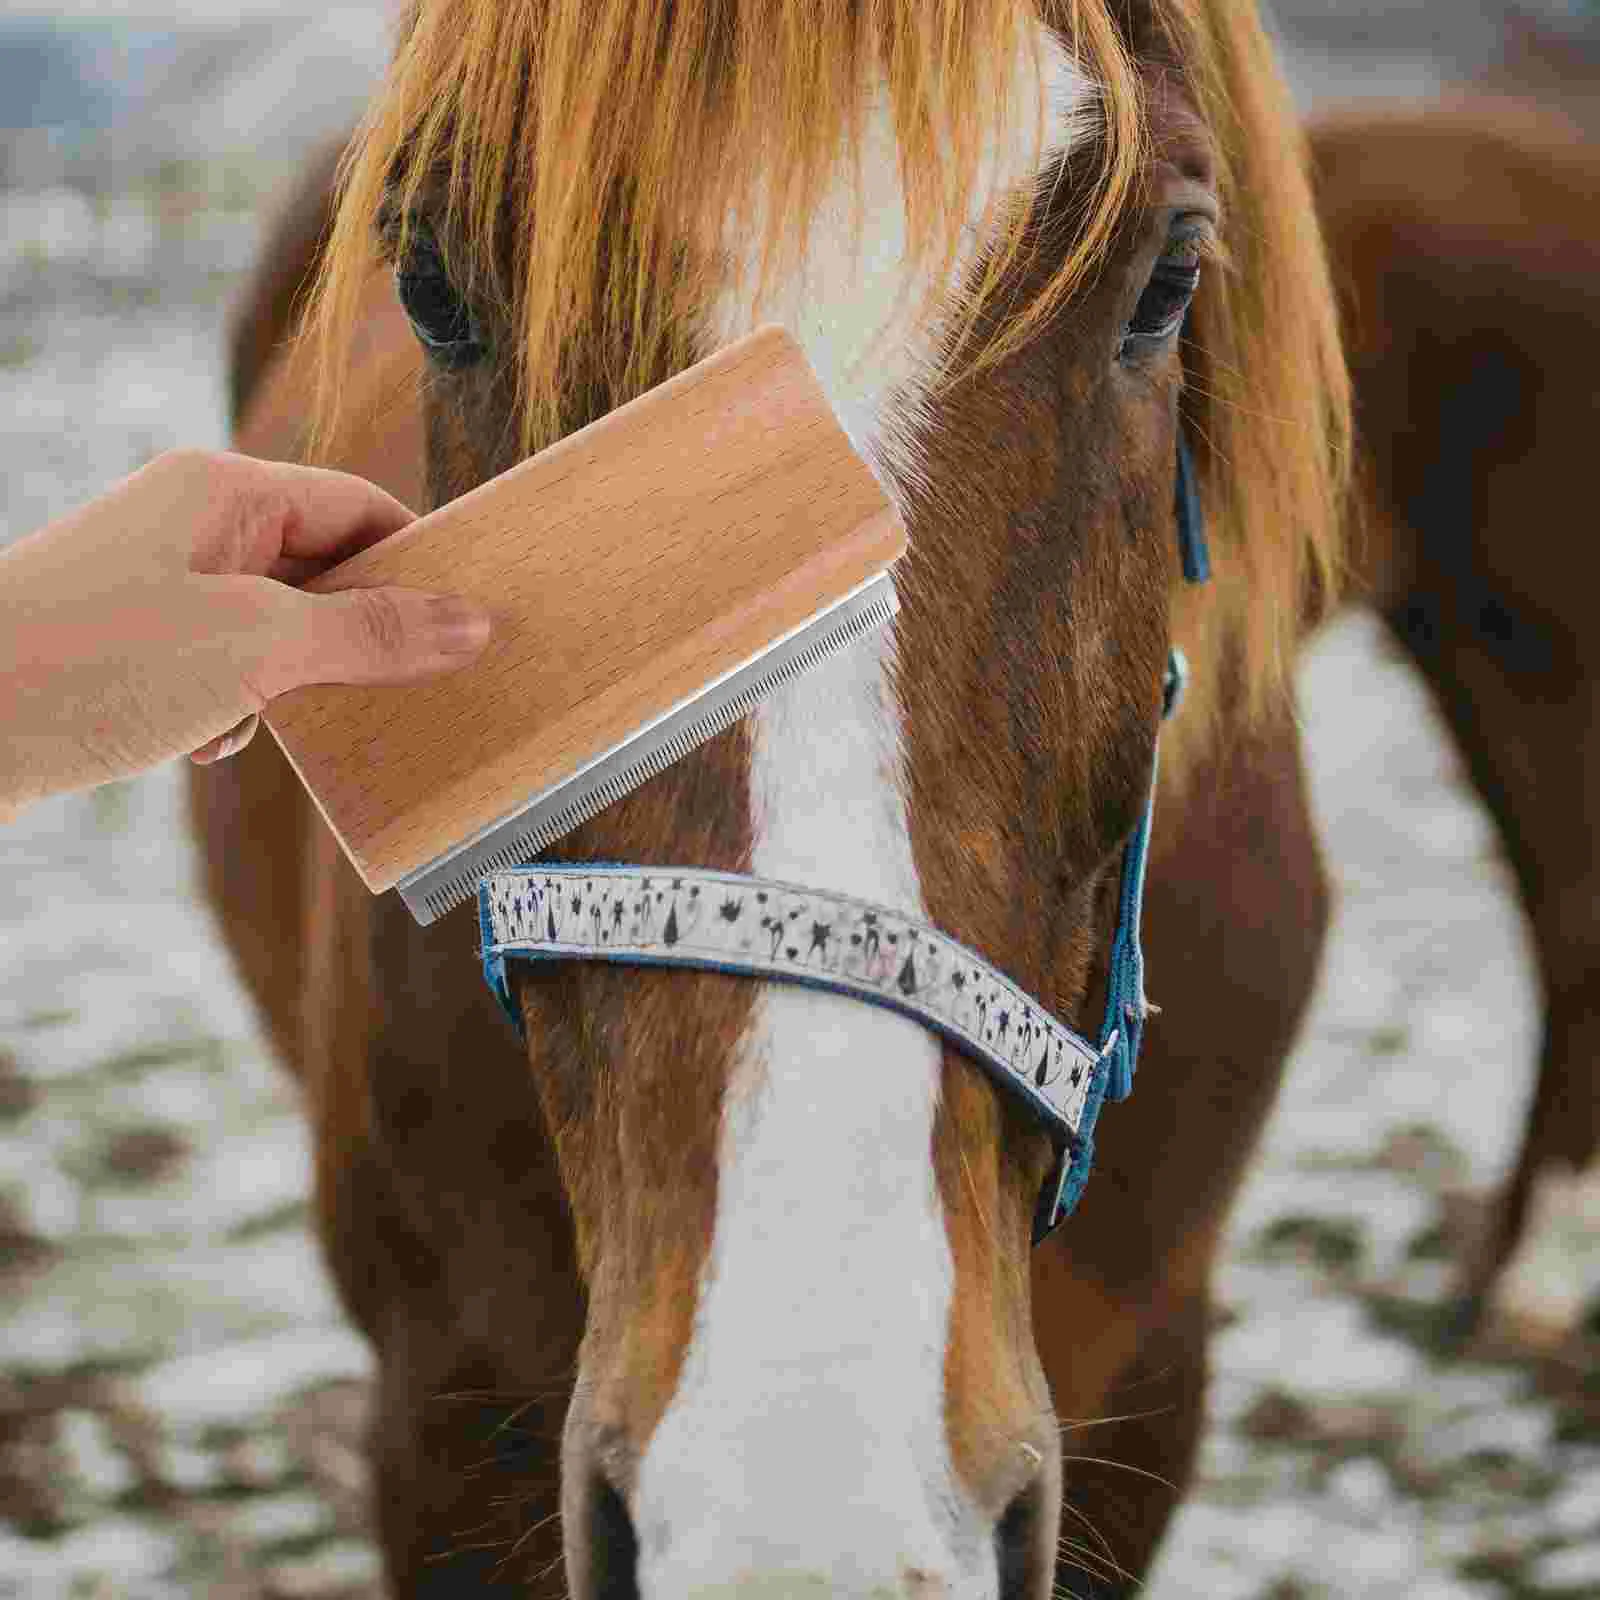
point(718, 1284)
point(1466, 248)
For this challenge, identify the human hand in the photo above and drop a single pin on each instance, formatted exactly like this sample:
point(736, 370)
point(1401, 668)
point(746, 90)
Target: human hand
point(161, 617)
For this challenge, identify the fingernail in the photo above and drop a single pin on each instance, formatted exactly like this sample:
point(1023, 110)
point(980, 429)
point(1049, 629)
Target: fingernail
point(237, 737)
point(458, 628)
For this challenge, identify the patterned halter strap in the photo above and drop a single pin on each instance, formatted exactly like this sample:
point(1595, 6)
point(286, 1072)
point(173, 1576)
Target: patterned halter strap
point(733, 922)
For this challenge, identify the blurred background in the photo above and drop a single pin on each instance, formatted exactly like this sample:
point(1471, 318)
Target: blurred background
point(180, 1399)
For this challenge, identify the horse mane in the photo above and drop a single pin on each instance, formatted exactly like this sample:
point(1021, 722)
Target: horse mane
point(1266, 401)
point(629, 138)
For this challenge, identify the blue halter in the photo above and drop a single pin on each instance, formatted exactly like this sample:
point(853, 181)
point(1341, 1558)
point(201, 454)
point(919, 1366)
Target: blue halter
point(612, 911)
point(1126, 1006)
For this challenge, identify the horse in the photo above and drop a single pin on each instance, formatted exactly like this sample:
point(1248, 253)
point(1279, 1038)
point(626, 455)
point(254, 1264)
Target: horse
point(1466, 251)
point(699, 1283)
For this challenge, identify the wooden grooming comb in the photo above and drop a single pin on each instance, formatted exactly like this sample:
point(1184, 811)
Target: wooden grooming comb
point(651, 578)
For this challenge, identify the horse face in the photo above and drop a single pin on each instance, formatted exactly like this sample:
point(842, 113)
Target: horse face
point(803, 1221)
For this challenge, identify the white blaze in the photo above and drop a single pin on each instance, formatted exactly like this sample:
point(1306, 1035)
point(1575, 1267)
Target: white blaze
point(805, 1446)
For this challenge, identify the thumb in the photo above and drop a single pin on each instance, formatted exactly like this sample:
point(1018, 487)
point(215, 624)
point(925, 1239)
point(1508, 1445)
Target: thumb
point(382, 635)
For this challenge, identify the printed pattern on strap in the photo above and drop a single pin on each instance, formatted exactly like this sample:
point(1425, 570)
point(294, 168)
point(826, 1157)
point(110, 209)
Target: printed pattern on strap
point(731, 922)
point(726, 921)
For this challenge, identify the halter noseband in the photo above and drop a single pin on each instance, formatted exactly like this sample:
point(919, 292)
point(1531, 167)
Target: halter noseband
point(733, 922)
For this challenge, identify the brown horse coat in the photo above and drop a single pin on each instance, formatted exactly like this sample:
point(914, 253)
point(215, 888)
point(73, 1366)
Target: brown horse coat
point(368, 1008)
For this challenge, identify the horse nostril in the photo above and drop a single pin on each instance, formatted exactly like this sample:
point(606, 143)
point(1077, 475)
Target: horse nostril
point(613, 1546)
point(1014, 1542)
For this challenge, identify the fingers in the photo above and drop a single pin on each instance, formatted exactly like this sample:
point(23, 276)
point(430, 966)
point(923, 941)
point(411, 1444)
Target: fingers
point(379, 635)
point(227, 744)
point(290, 522)
point(392, 635)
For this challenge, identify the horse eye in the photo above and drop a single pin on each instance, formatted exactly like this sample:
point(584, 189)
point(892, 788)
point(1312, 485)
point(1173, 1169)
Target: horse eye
point(1165, 301)
point(440, 317)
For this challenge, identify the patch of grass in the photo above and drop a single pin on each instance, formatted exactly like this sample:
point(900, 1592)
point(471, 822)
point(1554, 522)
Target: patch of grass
point(1579, 1417)
point(18, 350)
point(291, 1214)
point(39, 1525)
point(237, 1482)
point(241, 190)
point(1289, 1587)
point(1434, 1326)
point(1388, 1041)
point(1422, 1151)
point(183, 185)
point(294, 1546)
point(33, 1021)
point(228, 1492)
point(133, 296)
point(216, 1437)
point(148, 1496)
point(95, 1370)
point(81, 1385)
point(21, 1251)
point(1278, 1418)
point(1509, 1477)
point(18, 1093)
point(1432, 1244)
point(1504, 1567)
point(1332, 1243)
point(130, 1063)
point(133, 1157)
point(218, 285)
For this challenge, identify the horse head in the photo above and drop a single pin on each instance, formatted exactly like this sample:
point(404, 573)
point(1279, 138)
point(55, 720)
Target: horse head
point(1022, 245)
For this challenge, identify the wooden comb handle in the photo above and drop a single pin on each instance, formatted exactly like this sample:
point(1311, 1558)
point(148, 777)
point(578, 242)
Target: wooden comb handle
point(625, 567)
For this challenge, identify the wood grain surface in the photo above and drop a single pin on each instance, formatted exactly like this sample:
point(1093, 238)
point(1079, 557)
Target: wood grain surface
point(625, 567)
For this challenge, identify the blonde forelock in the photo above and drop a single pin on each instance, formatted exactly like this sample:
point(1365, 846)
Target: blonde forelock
point(594, 156)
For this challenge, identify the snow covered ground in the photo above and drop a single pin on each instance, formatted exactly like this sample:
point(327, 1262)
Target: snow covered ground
point(180, 1399)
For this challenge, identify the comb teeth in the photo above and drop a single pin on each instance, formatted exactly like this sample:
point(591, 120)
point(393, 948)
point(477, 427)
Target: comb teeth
point(452, 881)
